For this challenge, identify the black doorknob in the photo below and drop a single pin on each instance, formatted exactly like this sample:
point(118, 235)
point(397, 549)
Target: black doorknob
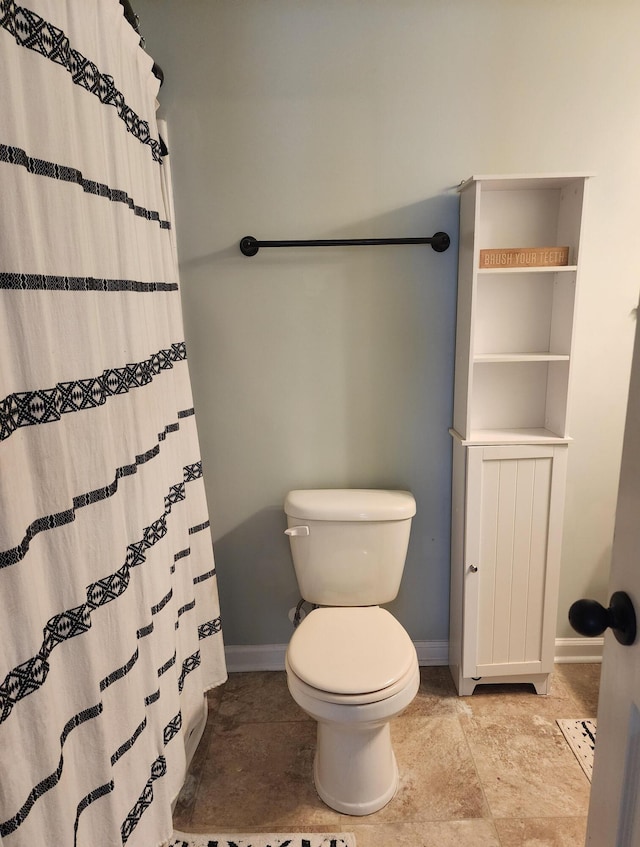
point(588, 617)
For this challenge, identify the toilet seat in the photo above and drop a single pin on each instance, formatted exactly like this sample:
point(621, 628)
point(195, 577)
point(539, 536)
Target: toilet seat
point(299, 688)
point(349, 654)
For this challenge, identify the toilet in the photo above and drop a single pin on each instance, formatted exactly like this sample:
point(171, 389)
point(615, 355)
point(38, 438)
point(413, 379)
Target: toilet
point(350, 664)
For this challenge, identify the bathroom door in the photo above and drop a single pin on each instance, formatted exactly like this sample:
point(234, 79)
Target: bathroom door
point(614, 812)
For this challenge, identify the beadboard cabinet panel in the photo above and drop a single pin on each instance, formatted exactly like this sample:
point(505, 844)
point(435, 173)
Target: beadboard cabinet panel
point(504, 593)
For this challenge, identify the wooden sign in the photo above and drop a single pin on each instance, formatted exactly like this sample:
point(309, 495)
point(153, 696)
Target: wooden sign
point(524, 257)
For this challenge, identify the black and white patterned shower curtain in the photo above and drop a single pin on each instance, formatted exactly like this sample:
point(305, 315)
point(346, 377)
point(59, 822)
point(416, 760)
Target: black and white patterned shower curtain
point(109, 619)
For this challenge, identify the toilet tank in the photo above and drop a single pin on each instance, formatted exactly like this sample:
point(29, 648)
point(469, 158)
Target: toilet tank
point(349, 545)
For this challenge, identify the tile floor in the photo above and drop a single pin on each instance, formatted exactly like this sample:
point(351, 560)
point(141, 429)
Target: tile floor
point(490, 770)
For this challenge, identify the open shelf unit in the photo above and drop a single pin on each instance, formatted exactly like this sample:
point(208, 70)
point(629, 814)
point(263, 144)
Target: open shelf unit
point(515, 324)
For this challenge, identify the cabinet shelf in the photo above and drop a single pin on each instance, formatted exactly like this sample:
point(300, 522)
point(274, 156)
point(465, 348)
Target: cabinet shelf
point(529, 435)
point(522, 313)
point(547, 269)
point(522, 393)
point(492, 358)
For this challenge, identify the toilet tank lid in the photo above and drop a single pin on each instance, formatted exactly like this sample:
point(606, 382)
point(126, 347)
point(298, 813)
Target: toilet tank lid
point(350, 504)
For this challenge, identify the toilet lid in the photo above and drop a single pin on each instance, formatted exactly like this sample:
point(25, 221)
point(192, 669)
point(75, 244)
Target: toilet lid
point(350, 650)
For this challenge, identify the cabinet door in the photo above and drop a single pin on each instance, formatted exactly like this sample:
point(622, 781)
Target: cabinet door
point(514, 505)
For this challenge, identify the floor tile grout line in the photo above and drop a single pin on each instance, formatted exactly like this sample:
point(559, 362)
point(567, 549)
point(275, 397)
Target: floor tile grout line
point(478, 777)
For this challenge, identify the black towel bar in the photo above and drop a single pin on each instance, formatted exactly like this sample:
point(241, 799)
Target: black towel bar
point(249, 245)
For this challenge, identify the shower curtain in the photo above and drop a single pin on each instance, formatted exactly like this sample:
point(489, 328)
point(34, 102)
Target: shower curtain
point(109, 621)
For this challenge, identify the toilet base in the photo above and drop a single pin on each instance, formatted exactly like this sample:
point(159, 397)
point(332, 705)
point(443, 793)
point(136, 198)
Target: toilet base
point(355, 770)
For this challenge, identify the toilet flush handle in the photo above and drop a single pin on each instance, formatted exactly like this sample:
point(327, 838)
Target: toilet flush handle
point(297, 530)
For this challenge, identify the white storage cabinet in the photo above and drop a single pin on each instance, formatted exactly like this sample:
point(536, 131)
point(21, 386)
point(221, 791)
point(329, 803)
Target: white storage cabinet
point(511, 427)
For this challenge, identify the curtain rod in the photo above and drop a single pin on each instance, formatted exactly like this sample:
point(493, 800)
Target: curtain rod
point(134, 21)
point(249, 245)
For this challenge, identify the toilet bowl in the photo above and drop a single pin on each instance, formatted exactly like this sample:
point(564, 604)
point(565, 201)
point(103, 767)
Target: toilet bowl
point(353, 669)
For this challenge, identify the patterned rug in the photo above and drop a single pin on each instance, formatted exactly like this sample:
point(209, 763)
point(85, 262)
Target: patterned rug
point(300, 839)
point(581, 737)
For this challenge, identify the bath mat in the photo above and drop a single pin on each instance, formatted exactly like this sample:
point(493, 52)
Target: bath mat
point(278, 839)
point(581, 737)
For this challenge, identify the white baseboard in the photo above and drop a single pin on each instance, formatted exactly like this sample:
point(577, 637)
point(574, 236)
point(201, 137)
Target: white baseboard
point(575, 650)
point(254, 657)
point(270, 657)
point(432, 653)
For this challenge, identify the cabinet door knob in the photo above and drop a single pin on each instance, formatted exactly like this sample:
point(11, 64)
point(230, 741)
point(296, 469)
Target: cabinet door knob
point(588, 617)
point(473, 569)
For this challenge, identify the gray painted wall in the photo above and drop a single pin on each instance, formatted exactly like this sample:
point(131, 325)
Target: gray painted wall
point(318, 368)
